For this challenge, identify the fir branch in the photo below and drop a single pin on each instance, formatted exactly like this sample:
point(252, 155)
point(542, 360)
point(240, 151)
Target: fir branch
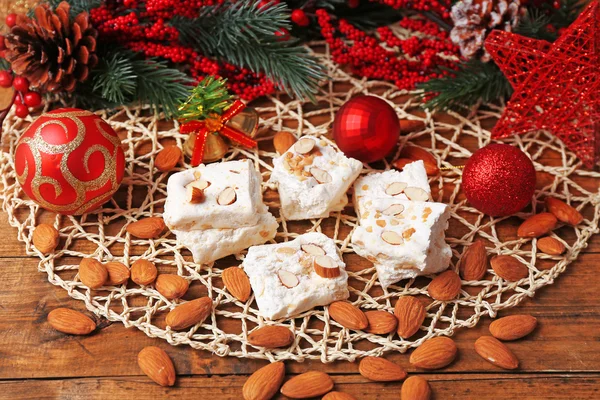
point(473, 81)
point(210, 96)
point(243, 34)
point(534, 25)
point(4, 65)
point(114, 78)
point(77, 6)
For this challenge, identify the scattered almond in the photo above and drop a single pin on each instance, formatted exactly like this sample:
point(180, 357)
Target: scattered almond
point(227, 197)
point(401, 163)
point(189, 314)
point(70, 321)
point(434, 353)
point(445, 287)
point(393, 210)
point(92, 273)
point(380, 370)
point(118, 273)
point(537, 225)
point(147, 228)
point(416, 153)
point(474, 261)
point(171, 286)
point(237, 282)
point(282, 141)
point(265, 382)
point(410, 313)
point(287, 278)
point(167, 158)
point(312, 249)
point(509, 268)
point(45, 238)
point(143, 272)
point(348, 316)
point(338, 396)
point(391, 237)
point(513, 327)
point(304, 145)
point(416, 194)
point(271, 337)
point(326, 267)
point(415, 388)
point(307, 385)
point(320, 175)
point(411, 125)
point(563, 212)
point(194, 191)
point(157, 364)
point(550, 245)
point(496, 352)
point(381, 322)
point(395, 188)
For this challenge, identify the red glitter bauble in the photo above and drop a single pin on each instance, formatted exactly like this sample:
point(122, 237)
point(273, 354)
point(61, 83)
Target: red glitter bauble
point(69, 161)
point(366, 128)
point(499, 180)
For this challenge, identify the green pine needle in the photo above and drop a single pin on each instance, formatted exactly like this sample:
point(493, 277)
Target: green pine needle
point(210, 96)
point(243, 34)
point(77, 6)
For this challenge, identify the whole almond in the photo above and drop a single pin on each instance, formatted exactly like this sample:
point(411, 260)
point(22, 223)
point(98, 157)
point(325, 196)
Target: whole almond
point(434, 353)
point(265, 382)
point(167, 158)
point(237, 282)
point(282, 141)
point(92, 273)
point(147, 228)
point(446, 286)
point(402, 162)
point(307, 385)
point(550, 245)
point(171, 286)
point(118, 273)
point(474, 261)
point(338, 396)
point(410, 313)
point(143, 272)
point(416, 153)
point(563, 212)
point(509, 268)
point(381, 322)
point(348, 315)
point(415, 388)
point(537, 225)
point(271, 337)
point(70, 321)
point(189, 314)
point(513, 327)
point(411, 125)
point(380, 370)
point(157, 364)
point(45, 238)
point(496, 352)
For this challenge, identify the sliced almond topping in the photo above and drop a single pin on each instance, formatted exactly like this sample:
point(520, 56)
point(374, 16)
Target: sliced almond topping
point(227, 196)
point(395, 188)
point(416, 194)
point(304, 146)
point(394, 222)
point(194, 195)
point(200, 184)
point(326, 267)
point(288, 279)
point(391, 237)
point(286, 250)
point(320, 175)
point(313, 249)
point(393, 210)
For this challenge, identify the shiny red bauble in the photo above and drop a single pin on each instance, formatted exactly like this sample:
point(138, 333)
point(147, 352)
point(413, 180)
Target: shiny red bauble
point(69, 161)
point(21, 84)
point(366, 128)
point(300, 18)
point(499, 180)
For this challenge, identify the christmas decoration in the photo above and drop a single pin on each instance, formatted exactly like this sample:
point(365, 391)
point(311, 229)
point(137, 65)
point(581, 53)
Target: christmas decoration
point(499, 180)
point(209, 111)
point(474, 19)
point(69, 161)
point(52, 51)
point(366, 128)
point(555, 84)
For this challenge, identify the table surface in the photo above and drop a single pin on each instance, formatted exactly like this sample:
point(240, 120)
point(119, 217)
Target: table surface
point(561, 359)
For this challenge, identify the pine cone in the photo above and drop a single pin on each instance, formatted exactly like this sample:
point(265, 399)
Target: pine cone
point(474, 19)
point(50, 50)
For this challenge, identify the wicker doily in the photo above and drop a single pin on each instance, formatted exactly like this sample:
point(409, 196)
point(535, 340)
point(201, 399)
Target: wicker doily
point(102, 234)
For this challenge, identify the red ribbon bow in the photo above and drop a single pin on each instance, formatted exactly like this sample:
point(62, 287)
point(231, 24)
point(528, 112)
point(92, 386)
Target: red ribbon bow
point(216, 123)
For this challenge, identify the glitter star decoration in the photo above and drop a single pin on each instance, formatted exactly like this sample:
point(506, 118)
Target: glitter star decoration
point(556, 85)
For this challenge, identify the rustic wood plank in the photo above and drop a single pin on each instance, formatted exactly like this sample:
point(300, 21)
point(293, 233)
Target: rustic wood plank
point(445, 386)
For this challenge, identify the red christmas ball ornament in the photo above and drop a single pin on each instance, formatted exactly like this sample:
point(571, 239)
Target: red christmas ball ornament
point(300, 18)
point(69, 161)
point(366, 128)
point(499, 180)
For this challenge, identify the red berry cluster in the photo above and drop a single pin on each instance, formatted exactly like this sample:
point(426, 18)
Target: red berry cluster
point(439, 7)
point(148, 32)
point(404, 62)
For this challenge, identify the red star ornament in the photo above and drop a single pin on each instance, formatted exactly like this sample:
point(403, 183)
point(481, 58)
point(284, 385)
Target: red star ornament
point(556, 85)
